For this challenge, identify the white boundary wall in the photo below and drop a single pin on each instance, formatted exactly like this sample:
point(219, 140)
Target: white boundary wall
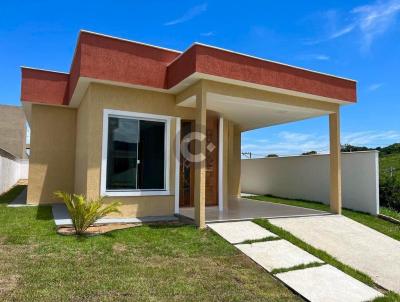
point(307, 177)
point(11, 170)
point(23, 168)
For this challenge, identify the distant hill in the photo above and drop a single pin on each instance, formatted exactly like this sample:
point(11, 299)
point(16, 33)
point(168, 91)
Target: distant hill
point(391, 149)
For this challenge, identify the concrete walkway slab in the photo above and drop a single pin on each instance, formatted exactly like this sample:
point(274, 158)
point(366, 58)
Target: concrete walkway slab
point(352, 243)
point(277, 254)
point(327, 284)
point(237, 232)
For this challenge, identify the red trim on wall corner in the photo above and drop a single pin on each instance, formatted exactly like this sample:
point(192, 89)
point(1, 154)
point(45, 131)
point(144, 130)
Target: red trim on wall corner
point(45, 87)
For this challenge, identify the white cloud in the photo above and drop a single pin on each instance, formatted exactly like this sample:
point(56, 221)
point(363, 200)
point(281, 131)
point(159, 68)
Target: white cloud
point(287, 143)
point(376, 19)
point(293, 143)
point(322, 57)
point(342, 31)
point(319, 57)
point(369, 20)
point(294, 137)
point(189, 15)
point(371, 138)
point(208, 34)
point(375, 86)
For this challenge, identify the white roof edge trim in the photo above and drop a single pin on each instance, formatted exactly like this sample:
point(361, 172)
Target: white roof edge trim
point(128, 40)
point(42, 69)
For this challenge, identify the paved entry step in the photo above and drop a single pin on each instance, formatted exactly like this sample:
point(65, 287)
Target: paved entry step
point(239, 231)
point(61, 218)
point(327, 284)
point(277, 254)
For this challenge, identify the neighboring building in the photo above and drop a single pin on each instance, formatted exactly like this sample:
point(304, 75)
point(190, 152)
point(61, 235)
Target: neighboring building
point(13, 130)
point(114, 124)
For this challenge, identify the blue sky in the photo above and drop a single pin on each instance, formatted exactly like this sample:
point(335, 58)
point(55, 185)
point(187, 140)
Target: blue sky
point(355, 39)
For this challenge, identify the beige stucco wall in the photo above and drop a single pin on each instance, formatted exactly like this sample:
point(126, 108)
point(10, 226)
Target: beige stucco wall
point(89, 141)
point(67, 147)
point(234, 149)
point(81, 149)
point(52, 152)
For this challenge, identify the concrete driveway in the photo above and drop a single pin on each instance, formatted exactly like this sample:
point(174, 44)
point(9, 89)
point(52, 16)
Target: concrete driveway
point(352, 243)
point(249, 209)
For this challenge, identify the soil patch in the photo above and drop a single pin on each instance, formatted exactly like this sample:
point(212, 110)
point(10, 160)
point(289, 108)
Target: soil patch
point(98, 229)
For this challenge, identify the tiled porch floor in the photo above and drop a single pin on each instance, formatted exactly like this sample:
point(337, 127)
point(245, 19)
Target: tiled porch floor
point(247, 209)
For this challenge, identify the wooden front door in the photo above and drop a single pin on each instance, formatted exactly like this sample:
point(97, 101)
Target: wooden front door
point(212, 160)
point(186, 179)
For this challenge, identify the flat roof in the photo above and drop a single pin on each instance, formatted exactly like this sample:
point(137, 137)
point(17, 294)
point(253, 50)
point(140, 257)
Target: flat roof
point(163, 68)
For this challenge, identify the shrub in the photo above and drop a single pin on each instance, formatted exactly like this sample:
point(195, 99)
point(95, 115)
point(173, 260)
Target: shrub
point(84, 212)
point(309, 153)
point(389, 192)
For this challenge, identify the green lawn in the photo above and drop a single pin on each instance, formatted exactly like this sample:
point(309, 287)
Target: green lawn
point(148, 263)
point(387, 161)
point(383, 226)
point(389, 212)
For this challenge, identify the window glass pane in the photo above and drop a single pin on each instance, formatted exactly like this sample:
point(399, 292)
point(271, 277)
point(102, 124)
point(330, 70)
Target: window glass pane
point(151, 155)
point(122, 153)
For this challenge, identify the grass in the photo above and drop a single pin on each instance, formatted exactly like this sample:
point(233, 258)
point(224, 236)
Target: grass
point(388, 161)
point(386, 227)
point(389, 212)
point(147, 263)
point(296, 267)
point(268, 238)
point(322, 255)
point(389, 297)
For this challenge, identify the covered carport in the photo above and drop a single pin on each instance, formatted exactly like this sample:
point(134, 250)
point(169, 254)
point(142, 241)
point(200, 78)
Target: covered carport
point(246, 108)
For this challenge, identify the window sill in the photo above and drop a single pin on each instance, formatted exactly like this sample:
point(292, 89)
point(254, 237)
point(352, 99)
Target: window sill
point(137, 193)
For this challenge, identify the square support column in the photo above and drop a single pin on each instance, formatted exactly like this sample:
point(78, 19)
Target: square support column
point(200, 163)
point(335, 163)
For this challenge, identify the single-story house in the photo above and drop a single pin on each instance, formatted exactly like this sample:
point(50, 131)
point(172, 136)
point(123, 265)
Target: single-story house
point(120, 123)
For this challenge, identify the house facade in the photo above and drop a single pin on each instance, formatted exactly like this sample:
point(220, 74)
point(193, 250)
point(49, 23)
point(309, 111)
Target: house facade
point(159, 129)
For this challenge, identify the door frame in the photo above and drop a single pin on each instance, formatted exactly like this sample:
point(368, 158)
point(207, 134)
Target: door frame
point(221, 163)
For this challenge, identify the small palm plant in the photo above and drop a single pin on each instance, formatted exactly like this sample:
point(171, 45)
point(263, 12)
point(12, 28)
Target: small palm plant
point(84, 212)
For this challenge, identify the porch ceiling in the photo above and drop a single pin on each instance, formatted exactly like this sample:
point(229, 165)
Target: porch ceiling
point(251, 114)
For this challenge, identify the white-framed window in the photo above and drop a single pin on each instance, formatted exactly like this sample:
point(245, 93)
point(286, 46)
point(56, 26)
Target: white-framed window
point(135, 154)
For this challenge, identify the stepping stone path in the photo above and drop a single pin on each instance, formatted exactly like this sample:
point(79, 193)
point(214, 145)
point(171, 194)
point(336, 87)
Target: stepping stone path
point(323, 283)
point(327, 283)
point(237, 232)
point(277, 254)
